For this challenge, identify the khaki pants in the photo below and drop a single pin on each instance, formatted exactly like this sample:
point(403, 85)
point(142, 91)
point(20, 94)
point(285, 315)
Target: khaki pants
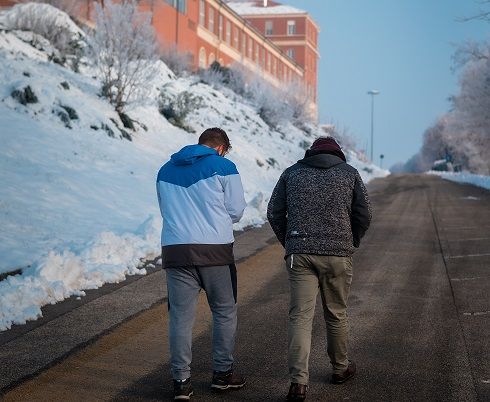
point(307, 274)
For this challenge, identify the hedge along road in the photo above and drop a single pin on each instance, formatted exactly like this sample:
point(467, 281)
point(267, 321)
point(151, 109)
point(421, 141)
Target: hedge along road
point(419, 312)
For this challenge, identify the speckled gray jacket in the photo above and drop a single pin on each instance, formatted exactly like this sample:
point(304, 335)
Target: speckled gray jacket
point(320, 206)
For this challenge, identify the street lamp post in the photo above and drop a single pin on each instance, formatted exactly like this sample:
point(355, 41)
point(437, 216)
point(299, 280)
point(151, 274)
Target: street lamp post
point(372, 92)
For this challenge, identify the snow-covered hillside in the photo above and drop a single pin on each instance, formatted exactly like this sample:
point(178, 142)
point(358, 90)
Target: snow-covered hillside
point(77, 198)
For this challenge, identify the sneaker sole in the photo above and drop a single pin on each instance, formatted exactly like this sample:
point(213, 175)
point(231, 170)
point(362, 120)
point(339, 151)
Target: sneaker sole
point(184, 397)
point(226, 387)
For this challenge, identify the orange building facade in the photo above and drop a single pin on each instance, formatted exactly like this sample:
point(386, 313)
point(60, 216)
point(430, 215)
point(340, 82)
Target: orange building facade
point(276, 42)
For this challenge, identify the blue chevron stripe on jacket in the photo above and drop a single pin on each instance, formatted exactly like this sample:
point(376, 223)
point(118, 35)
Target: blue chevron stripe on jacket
point(200, 196)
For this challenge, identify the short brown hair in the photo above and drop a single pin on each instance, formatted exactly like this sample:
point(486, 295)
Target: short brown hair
point(214, 137)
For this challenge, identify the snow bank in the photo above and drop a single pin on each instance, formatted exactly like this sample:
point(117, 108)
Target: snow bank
point(463, 177)
point(107, 259)
point(76, 198)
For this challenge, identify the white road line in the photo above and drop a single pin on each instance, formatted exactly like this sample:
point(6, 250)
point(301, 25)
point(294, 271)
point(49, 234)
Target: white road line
point(469, 279)
point(471, 239)
point(477, 313)
point(452, 257)
point(461, 227)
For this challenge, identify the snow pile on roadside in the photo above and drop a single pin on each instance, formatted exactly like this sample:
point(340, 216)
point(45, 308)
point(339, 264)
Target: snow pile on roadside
point(464, 177)
point(107, 259)
point(366, 170)
point(77, 203)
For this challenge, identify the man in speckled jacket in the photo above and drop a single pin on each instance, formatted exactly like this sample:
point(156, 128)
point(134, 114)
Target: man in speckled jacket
point(319, 211)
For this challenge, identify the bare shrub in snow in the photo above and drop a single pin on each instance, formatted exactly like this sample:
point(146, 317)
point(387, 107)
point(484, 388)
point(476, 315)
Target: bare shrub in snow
point(235, 78)
point(68, 6)
point(180, 63)
point(175, 108)
point(342, 135)
point(272, 108)
point(124, 50)
point(276, 106)
point(52, 24)
point(299, 102)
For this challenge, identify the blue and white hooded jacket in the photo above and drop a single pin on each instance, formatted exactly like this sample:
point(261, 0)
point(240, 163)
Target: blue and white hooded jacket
point(200, 195)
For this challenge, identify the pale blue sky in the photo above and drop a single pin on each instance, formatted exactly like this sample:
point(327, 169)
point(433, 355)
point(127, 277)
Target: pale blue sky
point(402, 48)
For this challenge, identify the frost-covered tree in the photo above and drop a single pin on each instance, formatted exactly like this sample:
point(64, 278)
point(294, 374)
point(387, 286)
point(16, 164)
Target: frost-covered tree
point(49, 22)
point(68, 6)
point(463, 134)
point(124, 49)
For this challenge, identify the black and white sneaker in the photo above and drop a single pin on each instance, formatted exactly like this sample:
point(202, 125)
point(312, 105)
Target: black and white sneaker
point(183, 390)
point(223, 380)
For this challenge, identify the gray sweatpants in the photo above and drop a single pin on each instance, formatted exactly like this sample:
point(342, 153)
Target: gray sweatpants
point(184, 285)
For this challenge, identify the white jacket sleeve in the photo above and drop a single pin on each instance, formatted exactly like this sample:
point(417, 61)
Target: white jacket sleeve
point(234, 197)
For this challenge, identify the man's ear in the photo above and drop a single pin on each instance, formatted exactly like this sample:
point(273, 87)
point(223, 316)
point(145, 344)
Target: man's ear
point(220, 149)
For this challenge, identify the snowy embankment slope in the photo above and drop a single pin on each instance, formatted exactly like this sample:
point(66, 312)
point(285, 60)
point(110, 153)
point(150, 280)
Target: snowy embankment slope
point(77, 202)
point(464, 177)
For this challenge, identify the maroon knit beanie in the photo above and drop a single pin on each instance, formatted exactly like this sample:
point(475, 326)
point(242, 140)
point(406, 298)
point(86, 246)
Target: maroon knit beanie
point(327, 145)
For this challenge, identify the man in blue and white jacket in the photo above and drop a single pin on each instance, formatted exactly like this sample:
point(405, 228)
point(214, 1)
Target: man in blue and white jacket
point(201, 195)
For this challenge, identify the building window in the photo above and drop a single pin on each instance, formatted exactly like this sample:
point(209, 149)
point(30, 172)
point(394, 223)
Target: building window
point(211, 59)
point(236, 38)
point(274, 66)
point(228, 32)
point(250, 46)
point(291, 27)
point(257, 53)
point(202, 12)
point(180, 5)
point(244, 43)
point(268, 28)
point(220, 26)
point(290, 53)
point(211, 19)
point(262, 60)
point(202, 58)
point(269, 62)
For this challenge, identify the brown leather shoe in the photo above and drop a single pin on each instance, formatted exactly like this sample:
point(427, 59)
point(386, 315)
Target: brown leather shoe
point(297, 392)
point(343, 377)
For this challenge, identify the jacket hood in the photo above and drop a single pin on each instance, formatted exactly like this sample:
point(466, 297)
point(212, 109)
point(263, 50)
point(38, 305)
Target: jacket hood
point(190, 154)
point(322, 161)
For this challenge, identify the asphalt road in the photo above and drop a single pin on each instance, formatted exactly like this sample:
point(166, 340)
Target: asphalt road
point(419, 312)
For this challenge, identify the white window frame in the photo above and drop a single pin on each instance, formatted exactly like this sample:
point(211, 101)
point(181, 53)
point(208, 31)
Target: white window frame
point(202, 12)
point(244, 43)
point(228, 32)
point(291, 28)
point(220, 26)
point(211, 19)
point(236, 37)
point(269, 27)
